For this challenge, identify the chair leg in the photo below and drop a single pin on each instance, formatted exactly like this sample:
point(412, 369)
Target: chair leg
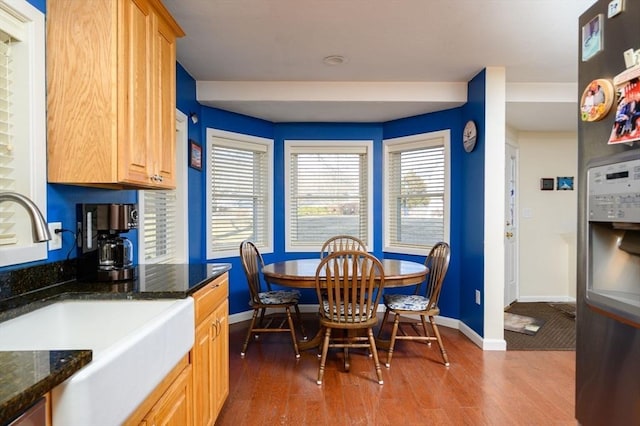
point(437, 333)
point(323, 358)
point(304, 333)
point(394, 332)
point(423, 320)
point(293, 332)
point(246, 341)
point(374, 351)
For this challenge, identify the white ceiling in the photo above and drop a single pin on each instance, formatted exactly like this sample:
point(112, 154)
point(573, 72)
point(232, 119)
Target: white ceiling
point(264, 58)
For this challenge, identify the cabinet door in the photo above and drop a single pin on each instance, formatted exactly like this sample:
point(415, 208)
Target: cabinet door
point(165, 139)
point(174, 408)
point(136, 92)
point(221, 356)
point(202, 356)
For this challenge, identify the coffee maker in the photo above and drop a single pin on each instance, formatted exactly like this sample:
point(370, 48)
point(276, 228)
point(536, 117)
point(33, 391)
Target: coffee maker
point(104, 254)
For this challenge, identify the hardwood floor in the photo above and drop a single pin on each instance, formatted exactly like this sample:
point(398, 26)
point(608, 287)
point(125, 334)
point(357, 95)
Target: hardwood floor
point(269, 387)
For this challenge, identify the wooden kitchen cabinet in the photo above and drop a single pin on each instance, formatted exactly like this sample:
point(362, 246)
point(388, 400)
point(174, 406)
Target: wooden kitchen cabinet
point(171, 403)
point(210, 353)
point(111, 93)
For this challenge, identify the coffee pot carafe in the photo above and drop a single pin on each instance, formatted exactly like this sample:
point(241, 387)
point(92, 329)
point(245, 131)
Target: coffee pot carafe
point(114, 253)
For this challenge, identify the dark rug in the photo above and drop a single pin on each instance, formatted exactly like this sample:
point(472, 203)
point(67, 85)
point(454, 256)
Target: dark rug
point(558, 333)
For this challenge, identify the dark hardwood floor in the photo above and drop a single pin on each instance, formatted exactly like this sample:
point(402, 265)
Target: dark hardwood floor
point(269, 387)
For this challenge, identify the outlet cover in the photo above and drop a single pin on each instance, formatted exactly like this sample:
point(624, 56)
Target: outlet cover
point(56, 239)
point(477, 297)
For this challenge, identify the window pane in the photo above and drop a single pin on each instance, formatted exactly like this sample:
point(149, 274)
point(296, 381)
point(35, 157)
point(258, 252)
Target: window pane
point(416, 196)
point(239, 194)
point(328, 194)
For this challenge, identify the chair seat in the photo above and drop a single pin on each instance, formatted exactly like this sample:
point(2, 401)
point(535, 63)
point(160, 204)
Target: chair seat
point(337, 316)
point(279, 297)
point(406, 302)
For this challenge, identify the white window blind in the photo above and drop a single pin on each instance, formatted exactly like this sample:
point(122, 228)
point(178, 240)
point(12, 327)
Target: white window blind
point(159, 223)
point(7, 162)
point(328, 194)
point(416, 191)
point(239, 194)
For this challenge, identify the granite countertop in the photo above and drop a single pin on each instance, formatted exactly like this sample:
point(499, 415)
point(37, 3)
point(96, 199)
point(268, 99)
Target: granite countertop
point(28, 375)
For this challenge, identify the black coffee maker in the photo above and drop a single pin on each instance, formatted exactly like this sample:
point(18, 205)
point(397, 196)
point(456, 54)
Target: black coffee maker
point(104, 254)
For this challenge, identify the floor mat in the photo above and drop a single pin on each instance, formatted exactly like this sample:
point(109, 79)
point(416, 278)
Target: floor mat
point(522, 323)
point(558, 333)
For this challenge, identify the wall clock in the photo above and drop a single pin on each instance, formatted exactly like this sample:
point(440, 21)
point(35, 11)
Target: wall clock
point(469, 136)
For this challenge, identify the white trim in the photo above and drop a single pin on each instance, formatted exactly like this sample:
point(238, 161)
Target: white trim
point(32, 118)
point(551, 299)
point(328, 146)
point(182, 185)
point(212, 133)
point(421, 140)
point(494, 141)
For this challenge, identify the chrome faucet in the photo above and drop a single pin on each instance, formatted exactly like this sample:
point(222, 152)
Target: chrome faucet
point(38, 224)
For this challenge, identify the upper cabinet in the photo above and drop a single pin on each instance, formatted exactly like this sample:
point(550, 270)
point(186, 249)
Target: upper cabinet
point(111, 88)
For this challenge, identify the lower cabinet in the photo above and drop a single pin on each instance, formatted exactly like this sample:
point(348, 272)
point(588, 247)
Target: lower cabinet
point(171, 403)
point(210, 353)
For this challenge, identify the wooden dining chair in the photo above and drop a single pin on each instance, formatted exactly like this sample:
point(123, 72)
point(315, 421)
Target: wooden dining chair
point(349, 285)
point(341, 243)
point(265, 298)
point(423, 302)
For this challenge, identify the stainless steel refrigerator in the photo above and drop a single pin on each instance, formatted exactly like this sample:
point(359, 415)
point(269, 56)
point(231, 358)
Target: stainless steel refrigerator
point(608, 181)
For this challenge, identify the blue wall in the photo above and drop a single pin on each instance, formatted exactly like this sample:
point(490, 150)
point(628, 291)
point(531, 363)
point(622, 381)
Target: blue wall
point(471, 217)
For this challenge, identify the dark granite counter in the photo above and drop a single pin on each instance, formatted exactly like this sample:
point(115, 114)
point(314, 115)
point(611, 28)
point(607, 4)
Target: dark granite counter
point(27, 375)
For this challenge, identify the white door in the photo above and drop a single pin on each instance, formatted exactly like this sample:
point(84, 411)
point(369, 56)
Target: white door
point(511, 226)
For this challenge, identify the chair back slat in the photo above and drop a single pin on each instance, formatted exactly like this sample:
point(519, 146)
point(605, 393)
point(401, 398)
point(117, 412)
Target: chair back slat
point(353, 283)
point(438, 263)
point(341, 243)
point(252, 264)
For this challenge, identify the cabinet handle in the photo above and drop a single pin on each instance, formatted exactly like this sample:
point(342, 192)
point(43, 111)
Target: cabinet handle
point(214, 327)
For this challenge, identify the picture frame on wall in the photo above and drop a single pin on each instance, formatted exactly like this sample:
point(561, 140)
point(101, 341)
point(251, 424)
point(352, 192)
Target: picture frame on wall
point(592, 37)
point(564, 183)
point(195, 155)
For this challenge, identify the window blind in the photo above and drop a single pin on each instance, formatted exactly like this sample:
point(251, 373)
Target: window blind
point(159, 225)
point(239, 193)
point(328, 195)
point(7, 160)
point(416, 195)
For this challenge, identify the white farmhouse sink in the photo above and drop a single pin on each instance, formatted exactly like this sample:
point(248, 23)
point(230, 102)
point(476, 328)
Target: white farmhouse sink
point(135, 343)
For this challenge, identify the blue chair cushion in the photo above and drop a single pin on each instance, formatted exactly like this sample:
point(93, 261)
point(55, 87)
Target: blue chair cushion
point(277, 297)
point(406, 302)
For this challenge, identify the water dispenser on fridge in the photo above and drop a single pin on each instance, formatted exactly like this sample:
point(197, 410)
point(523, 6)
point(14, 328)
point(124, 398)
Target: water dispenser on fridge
point(613, 236)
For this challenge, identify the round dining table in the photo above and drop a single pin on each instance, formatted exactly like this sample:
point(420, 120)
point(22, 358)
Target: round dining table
point(301, 273)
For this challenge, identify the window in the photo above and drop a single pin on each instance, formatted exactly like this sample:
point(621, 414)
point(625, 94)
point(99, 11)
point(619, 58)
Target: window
point(239, 192)
point(22, 127)
point(328, 192)
point(416, 193)
point(163, 233)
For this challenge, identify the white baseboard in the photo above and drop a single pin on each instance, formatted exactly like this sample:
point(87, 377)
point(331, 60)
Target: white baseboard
point(484, 344)
point(551, 299)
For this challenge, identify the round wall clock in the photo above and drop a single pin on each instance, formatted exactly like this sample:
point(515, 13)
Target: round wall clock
point(469, 136)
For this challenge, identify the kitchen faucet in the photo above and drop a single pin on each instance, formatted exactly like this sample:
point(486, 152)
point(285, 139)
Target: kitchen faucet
point(38, 224)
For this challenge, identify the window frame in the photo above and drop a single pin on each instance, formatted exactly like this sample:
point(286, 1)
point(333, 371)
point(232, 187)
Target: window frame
point(406, 143)
point(268, 144)
point(31, 125)
point(326, 146)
